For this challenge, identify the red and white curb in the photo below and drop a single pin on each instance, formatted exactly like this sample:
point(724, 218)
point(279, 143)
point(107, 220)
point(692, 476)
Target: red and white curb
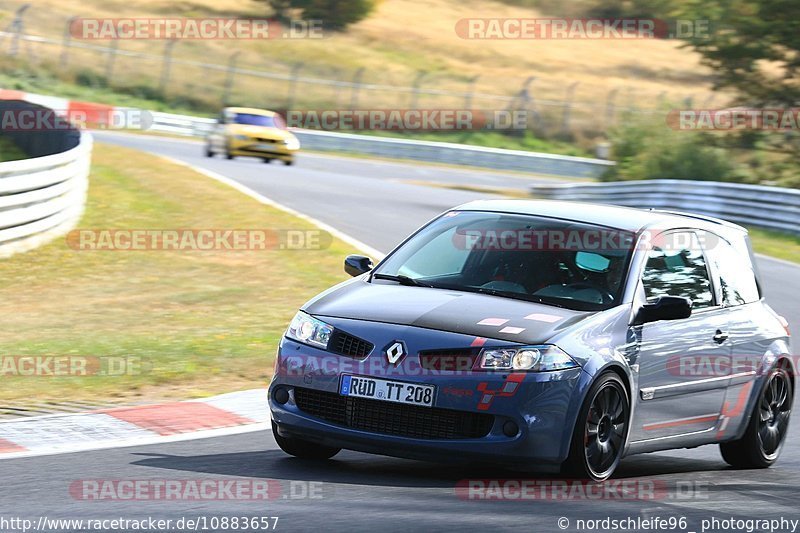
point(228, 414)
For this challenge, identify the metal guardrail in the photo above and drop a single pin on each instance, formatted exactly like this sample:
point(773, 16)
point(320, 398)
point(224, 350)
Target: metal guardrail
point(772, 208)
point(43, 197)
point(430, 152)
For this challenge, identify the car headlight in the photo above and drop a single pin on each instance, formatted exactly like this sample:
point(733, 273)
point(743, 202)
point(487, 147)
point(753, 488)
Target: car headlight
point(308, 330)
point(292, 144)
point(241, 137)
point(544, 358)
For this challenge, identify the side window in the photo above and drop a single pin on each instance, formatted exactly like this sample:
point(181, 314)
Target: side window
point(678, 269)
point(736, 277)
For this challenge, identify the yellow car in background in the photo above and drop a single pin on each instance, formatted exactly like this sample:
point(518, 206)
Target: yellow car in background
point(246, 131)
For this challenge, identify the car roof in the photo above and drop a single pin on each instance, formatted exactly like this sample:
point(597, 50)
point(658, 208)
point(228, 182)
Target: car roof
point(249, 110)
point(611, 216)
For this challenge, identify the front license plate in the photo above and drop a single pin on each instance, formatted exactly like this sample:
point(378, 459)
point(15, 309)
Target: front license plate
point(387, 390)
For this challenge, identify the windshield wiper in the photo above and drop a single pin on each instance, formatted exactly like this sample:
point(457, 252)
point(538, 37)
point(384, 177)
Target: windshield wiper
point(402, 280)
point(514, 295)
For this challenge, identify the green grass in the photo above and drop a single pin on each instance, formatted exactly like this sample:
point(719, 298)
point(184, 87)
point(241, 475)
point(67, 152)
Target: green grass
point(9, 151)
point(775, 244)
point(202, 322)
point(43, 83)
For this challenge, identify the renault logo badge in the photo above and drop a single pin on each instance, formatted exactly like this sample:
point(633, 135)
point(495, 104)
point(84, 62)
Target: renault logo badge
point(395, 352)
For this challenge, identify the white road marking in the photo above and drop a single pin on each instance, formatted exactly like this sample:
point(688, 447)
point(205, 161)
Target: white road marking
point(367, 249)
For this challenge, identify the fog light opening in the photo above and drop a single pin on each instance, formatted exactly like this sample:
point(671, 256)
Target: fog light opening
point(281, 395)
point(510, 429)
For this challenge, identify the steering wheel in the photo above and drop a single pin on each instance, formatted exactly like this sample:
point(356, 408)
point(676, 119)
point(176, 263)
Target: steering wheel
point(606, 294)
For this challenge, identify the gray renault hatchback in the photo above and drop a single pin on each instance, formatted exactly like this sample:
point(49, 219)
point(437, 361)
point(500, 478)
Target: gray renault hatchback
point(542, 335)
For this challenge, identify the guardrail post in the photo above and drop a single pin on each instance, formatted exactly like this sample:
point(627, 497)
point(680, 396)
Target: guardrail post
point(166, 67)
point(226, 93)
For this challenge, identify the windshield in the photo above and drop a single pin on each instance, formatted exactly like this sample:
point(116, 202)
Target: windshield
point(256, 120)
point(544, 260)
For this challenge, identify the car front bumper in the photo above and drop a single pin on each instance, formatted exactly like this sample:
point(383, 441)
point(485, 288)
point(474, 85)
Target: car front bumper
point(542, 406)
point(260, 149)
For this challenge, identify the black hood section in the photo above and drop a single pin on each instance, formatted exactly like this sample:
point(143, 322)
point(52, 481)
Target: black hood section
point(468, 313)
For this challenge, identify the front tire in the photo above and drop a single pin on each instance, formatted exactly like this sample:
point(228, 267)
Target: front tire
point(209, 152)
point(303, 449)
point(600, 431)
point(761, 444)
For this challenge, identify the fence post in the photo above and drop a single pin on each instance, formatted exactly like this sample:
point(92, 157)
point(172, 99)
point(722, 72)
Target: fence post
point(568, 99)
point(611, 107)
point(415, 88)
point(112, 56)
point(66, 42)
point(470, 92)
point(293, 85)
point(16, 29)
point(166, 67)
point(226, 93)
point(356, 87)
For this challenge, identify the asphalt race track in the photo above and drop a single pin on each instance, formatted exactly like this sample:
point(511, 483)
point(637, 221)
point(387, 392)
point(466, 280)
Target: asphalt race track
point(373, 202)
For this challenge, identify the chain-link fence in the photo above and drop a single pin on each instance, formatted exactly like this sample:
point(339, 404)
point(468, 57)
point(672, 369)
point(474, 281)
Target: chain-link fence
point(186, 74)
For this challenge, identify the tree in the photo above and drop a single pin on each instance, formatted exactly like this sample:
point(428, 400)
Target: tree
point(334, 14)
point(753, 46)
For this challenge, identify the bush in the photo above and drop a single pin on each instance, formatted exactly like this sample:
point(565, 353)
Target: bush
point(334, 14)
point(647, 151)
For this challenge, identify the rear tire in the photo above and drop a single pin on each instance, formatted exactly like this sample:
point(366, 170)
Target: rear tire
point(761, 444)
point(600, 431)
point(267, 160)
point(209, 153)
point(303, 449)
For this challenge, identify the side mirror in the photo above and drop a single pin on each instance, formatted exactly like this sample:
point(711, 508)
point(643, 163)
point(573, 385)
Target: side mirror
point(355, 265)
point(665, 308)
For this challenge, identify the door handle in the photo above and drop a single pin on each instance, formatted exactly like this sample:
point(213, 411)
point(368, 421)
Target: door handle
point(720, 337)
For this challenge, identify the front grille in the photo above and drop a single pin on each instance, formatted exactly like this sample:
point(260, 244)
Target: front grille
point(393, 418)
point(459, 359)
point(349, 345)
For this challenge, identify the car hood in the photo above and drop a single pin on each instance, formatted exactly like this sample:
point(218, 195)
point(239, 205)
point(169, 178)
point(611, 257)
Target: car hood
point(469, 313)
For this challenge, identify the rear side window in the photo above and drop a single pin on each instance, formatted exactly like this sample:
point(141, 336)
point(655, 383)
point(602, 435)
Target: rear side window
point(736, 277)
point(678, 269)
